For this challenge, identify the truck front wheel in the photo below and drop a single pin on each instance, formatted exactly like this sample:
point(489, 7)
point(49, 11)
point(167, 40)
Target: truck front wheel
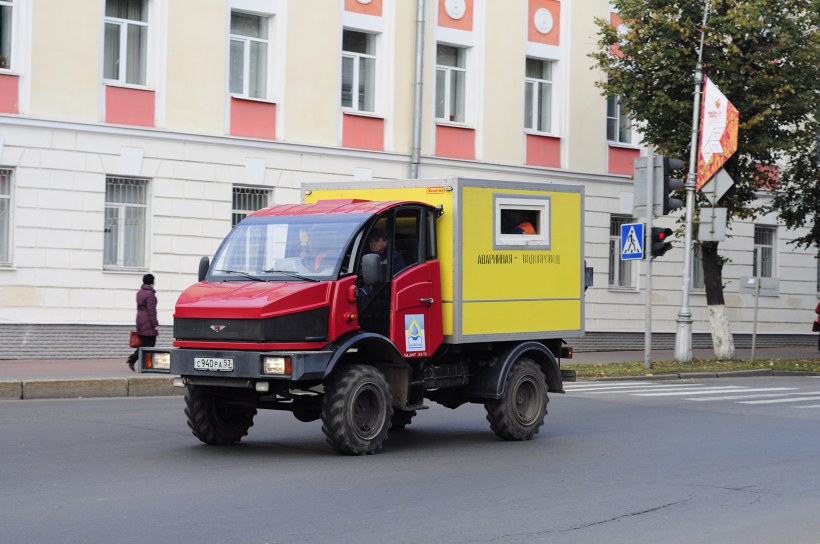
point(356, 410)
point(216, 419)
point(519, 413)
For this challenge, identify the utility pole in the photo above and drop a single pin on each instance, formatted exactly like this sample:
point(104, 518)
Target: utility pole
point(683, 338)
point(647, 248)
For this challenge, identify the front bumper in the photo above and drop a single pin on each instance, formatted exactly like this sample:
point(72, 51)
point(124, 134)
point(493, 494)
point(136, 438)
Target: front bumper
point(247, 365)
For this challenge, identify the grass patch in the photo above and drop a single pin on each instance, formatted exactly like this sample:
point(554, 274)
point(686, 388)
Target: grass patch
point(636, 368)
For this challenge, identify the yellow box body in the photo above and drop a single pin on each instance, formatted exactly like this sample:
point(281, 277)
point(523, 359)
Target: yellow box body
point(494, 288)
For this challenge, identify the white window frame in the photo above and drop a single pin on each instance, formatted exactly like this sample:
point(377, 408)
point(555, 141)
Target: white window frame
point(122, 61)
point(245, 210)
point(7, 199)
point(448, 71)
point(531, 123)
point(246, 56)
point(119, 262)
point(357, 60)
point(760, 247)
point(623, 275)
point(619, 118)
point(12, 35)
point(697, 276)
point(541, 206)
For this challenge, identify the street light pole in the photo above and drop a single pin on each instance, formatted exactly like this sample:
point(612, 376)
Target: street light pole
point(683, 338)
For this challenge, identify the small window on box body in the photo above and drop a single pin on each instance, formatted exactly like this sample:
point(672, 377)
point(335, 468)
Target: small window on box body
point(521, 222)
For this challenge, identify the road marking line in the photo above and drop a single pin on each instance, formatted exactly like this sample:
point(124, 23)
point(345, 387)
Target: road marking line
point(793, 399)
point(704, 391)
point(809, 406)
point(737, 397)
point(636, 386)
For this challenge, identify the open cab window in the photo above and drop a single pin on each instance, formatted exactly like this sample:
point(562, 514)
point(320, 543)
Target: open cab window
point(521, 222)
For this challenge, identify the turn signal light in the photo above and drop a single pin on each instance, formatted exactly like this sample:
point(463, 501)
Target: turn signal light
point(157, 360)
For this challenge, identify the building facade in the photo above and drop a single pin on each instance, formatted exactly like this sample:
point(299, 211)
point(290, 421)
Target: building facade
point(135, 133)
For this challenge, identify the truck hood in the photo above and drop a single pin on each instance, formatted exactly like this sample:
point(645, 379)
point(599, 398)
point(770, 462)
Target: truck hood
point(251, 299)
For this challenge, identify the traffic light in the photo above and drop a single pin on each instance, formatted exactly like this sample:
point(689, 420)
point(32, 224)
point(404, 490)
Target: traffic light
point(670, 185)
point(658, 242)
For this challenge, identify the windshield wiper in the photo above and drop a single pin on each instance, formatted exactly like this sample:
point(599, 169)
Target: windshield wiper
point(291, 274)
point(244, 274)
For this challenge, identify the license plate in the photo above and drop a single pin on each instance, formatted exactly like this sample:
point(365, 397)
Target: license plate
point(213, 364)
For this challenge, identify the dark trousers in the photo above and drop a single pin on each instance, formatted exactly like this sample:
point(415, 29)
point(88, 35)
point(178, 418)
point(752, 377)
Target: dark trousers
point(147, 342)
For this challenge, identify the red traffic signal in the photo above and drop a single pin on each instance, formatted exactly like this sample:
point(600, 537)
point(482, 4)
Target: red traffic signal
point(658, 241)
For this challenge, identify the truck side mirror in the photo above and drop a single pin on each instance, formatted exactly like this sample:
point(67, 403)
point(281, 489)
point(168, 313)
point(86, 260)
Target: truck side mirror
point(372, 269)
point(204, 264)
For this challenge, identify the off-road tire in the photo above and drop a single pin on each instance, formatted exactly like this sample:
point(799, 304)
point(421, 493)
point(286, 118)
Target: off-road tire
point(519, 413)
point(214, 419)
point(401, 419)
point(356, 410)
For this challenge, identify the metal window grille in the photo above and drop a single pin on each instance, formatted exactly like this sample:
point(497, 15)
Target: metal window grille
point(124, 236)
point(5, 216)
point(621, 273)
point(763, 265)
point(247, 200)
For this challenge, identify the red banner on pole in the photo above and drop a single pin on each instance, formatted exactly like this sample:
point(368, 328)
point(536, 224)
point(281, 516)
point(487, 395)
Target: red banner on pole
point(719, 120)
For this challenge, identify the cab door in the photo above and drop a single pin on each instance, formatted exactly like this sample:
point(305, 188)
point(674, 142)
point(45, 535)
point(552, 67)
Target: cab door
point(416, 320)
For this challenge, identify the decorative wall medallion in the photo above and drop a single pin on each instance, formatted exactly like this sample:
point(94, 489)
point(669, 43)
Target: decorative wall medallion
point(543, 20)
point(364, 1)
point(455, 8)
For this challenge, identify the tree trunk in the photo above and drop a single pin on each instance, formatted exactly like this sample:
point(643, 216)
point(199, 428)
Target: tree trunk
point(722, 341)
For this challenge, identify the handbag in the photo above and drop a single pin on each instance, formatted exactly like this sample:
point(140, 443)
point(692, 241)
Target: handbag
point(815, 327)
point(135, 341)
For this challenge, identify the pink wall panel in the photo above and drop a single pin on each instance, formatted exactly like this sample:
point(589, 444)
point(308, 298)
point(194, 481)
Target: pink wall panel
point(455, 142)
point(374, 7)
point(620, 160)
point(543, 151)
point(253, 119)
point(362, 132)
point(124, 106)
point(9, 89)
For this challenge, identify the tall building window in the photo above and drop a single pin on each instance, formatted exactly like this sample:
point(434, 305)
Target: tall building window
point(126, 41)
point(763, 264)
point(538, 95)
point(249, 43)
point(5, 216)
point(358, 71)
point(451, 81)
point(247, 200)
point(621, 273)
point(618, 124)
point(5, 33)
point(697, 267)
point(125, 222)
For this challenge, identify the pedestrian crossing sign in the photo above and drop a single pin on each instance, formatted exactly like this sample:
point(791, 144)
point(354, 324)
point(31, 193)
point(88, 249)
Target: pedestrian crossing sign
point(632, 241)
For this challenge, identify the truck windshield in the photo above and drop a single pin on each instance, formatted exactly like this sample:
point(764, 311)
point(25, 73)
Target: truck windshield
point(288, 248)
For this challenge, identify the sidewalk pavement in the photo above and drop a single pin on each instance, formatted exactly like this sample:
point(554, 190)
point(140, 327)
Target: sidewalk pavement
point(83, 378)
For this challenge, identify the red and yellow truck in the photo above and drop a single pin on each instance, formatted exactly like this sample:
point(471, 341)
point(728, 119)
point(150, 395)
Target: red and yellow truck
point(471, 301)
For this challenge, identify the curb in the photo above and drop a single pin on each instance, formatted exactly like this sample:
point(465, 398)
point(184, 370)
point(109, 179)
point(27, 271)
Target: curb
point(83, 388)
point(703, 375)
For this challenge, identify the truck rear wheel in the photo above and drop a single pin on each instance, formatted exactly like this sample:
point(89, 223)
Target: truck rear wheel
point(519, 413)
point(214, 419)
point(356, 410)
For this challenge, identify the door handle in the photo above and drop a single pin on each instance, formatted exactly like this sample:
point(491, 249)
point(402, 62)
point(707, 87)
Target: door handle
point(427, 300)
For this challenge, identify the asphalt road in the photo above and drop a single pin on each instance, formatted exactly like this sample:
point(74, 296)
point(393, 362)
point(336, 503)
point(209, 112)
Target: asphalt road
point(610, 465)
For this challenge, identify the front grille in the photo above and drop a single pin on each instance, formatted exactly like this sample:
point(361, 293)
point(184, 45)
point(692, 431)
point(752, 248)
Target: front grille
point(309, 326)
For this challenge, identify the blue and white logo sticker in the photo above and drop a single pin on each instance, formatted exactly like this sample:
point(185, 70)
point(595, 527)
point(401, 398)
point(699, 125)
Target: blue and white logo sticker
point(414, 332)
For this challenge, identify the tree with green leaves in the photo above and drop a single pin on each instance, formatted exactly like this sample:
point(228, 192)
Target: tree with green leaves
point(764, 56)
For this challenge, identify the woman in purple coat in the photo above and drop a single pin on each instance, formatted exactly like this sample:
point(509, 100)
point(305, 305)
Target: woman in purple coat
point(147, 324)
